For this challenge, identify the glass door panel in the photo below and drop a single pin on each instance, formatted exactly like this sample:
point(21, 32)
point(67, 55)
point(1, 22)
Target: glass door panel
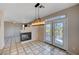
point(48, 27)
point(48, 33)
point(59, 27)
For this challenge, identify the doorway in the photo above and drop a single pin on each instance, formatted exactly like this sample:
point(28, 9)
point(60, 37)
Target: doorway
point(56, 33)
point(60, 33)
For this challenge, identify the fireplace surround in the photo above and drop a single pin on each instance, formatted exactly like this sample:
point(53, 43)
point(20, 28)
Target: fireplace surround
point(25, 36)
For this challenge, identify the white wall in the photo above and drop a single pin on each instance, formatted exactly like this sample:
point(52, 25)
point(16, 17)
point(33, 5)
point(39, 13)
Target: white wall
point(11, 29)
point(41, 32)
point(1, 30)
point(1, 34)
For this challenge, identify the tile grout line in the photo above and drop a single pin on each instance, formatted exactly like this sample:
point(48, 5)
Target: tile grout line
point(23, 48)
point(41, 47)
point(4, 48)
point(31, 49)
point(10, 46)
point(9, 41)
point(16, 47)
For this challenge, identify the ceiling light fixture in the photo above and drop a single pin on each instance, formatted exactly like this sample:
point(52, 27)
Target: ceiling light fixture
point(38, 20)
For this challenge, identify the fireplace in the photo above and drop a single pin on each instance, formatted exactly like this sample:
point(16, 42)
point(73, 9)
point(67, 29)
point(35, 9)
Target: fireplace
point(25, 36)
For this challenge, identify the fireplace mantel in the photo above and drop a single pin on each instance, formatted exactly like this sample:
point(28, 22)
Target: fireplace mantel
point(27, 29)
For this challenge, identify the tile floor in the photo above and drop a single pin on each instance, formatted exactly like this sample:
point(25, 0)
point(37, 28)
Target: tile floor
point(30, 48)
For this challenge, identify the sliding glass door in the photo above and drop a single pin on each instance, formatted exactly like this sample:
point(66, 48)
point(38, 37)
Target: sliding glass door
point(56, 33)
point(59, 33)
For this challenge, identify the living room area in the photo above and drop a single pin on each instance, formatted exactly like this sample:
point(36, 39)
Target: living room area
point(39, 29)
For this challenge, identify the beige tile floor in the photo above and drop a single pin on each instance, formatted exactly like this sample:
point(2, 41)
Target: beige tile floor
point(31, 48)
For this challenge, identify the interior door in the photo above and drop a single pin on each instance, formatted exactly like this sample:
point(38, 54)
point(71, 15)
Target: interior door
point(59, 33)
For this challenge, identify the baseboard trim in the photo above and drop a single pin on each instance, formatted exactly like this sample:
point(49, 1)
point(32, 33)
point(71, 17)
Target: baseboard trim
point(71, 53)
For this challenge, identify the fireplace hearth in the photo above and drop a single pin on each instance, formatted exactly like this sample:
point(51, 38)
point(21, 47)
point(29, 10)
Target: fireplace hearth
point(25, 36)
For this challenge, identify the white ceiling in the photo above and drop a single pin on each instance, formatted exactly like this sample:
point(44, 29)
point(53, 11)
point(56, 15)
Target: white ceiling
point(25, 12)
